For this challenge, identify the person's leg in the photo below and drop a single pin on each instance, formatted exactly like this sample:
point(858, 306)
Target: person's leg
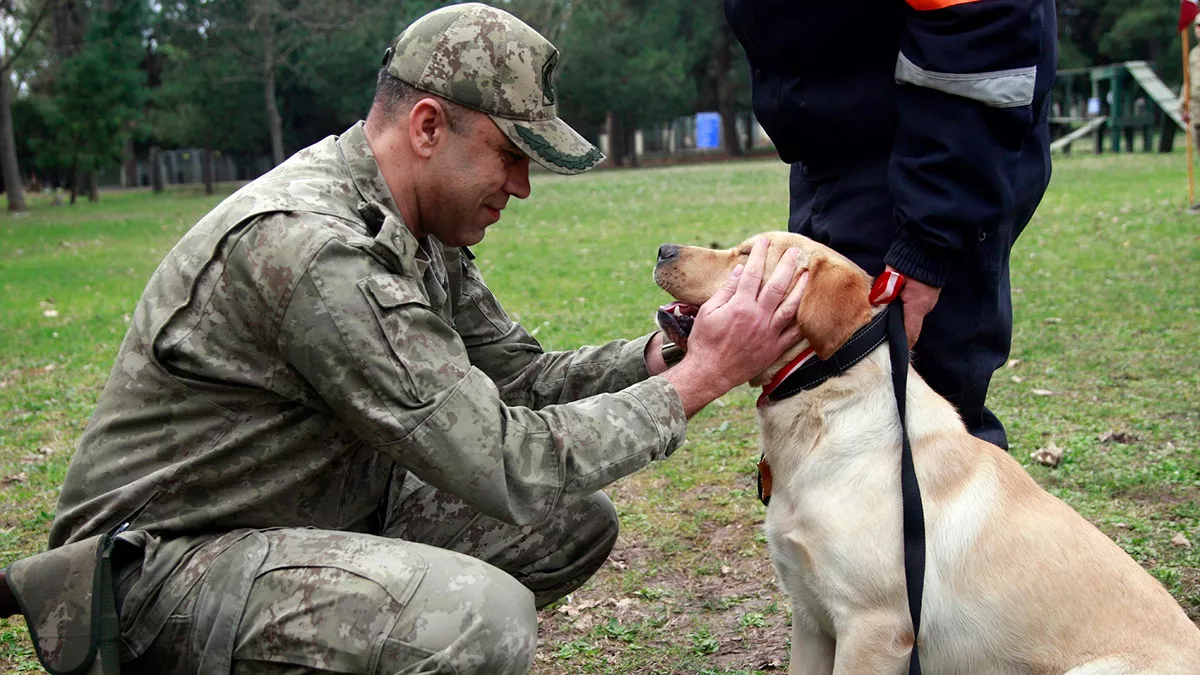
point(324, 601)
point(967, 335)
point(551, 559)
point(850, 213)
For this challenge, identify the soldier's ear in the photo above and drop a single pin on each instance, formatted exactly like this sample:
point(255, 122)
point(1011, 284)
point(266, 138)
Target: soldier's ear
point(835, 304)
point(427, 125)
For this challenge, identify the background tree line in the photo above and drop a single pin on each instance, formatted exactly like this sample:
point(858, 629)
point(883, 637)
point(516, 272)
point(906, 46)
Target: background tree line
point(90, 84)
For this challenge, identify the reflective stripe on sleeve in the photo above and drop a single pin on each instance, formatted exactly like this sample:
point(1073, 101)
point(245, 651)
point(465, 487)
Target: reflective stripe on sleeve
point(998, 88)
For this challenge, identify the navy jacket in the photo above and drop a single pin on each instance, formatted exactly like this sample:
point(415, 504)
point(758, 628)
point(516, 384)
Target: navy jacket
point(953, 94)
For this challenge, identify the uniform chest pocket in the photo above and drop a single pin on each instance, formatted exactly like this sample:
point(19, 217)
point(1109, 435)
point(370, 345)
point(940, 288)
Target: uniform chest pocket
point(426, 352)
point(391, 291)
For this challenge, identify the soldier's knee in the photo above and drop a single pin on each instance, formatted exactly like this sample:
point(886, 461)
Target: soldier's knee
point(466, 617)
point(602, 523)
point(507, 633)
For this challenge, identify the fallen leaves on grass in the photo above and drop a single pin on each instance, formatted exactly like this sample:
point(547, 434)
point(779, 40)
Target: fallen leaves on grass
point(42, 454)
point(1181, 541)
point(15, 478)
point(575, 609)
point(1050, 456)
point(1042, 392)
point(1123, 437)
point(1013, 363)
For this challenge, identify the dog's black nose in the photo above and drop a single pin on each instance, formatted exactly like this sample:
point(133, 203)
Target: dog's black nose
point(667, 251)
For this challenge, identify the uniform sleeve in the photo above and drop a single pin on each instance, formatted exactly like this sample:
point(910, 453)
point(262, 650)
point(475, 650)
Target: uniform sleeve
point(967, 71)
point(526, 375)
point(402, 379)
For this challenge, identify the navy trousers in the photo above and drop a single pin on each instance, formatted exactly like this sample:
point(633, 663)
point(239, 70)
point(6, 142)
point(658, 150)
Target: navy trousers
point(968, 334)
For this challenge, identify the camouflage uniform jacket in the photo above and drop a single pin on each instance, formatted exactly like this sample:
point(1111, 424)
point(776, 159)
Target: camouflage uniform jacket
point(299, 343)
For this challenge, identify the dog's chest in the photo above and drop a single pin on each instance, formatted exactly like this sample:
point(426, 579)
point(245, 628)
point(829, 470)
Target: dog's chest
point(830, 548)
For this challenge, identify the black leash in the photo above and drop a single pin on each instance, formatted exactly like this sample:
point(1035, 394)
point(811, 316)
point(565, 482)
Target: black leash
point(910, 490)
point(887, 325)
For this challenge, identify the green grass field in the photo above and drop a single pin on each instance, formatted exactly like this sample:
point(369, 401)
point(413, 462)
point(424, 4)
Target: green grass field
point(1106, 365)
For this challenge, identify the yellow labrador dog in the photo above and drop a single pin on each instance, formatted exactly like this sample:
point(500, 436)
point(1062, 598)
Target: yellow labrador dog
point(1015, 580)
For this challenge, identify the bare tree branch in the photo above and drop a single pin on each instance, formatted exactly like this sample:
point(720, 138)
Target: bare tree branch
point(31, 30)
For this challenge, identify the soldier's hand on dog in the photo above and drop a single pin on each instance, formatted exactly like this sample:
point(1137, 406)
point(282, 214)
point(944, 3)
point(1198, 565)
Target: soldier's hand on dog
point(744, 328)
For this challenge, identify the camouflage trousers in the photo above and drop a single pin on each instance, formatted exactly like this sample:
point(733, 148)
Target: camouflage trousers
point(444, 589)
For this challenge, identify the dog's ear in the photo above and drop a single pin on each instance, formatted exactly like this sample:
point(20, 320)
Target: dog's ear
point(835, 304)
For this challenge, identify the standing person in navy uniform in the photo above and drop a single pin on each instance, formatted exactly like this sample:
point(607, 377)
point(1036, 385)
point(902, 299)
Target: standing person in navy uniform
point(918, 141)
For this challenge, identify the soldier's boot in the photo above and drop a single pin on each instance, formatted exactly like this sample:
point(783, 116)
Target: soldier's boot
point(66, 595)
point(8, 601)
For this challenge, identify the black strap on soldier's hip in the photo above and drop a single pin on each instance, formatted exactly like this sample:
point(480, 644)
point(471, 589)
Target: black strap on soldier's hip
point(910, 490)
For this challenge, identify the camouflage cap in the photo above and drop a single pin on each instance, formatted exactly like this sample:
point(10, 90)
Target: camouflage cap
point(487, 59)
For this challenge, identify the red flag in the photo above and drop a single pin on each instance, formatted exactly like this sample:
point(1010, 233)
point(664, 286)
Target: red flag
point(1188, 9)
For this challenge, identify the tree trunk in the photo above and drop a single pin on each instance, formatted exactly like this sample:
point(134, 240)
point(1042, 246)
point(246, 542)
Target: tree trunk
point(726, 94)
point(616, 138)
point(630, 140)
point(130, 164)
point(156, 172)
point(156, 168)
point(9, 168)
point(68, 40)
point(93, 187)
point(74, 180)
point(274, 120)
point(68, 28)
point(206, 166)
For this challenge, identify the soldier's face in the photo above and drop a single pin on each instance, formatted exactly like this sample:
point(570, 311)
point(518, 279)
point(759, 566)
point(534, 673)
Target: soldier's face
point(472, 176)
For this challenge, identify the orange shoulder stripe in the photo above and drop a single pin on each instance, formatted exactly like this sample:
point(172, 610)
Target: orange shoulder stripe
point(927, 5)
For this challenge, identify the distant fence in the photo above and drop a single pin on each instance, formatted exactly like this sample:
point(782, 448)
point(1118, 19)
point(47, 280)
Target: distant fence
point(184, 166)
point(701, 133)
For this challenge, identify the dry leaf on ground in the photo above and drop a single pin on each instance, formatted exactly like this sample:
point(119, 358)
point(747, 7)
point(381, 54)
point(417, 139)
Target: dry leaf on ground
point(1051, 455)
point(1118, 437)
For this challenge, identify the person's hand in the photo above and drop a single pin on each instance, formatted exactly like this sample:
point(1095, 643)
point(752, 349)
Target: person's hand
point(744, 328)
point(655, 364)
point(919, 299)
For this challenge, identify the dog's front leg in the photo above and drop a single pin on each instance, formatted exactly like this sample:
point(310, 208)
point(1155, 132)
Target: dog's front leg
point(812, 649)
point(873, 645)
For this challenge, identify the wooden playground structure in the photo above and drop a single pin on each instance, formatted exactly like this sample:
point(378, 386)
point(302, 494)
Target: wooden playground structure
point(1114, 104)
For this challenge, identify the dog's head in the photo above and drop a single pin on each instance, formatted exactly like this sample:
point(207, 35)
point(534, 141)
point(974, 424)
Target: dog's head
point(835, 303)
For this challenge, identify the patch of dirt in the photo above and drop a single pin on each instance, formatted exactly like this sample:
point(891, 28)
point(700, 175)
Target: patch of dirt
point(1160, 496)
point(1189, 578)
point(734, 602)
